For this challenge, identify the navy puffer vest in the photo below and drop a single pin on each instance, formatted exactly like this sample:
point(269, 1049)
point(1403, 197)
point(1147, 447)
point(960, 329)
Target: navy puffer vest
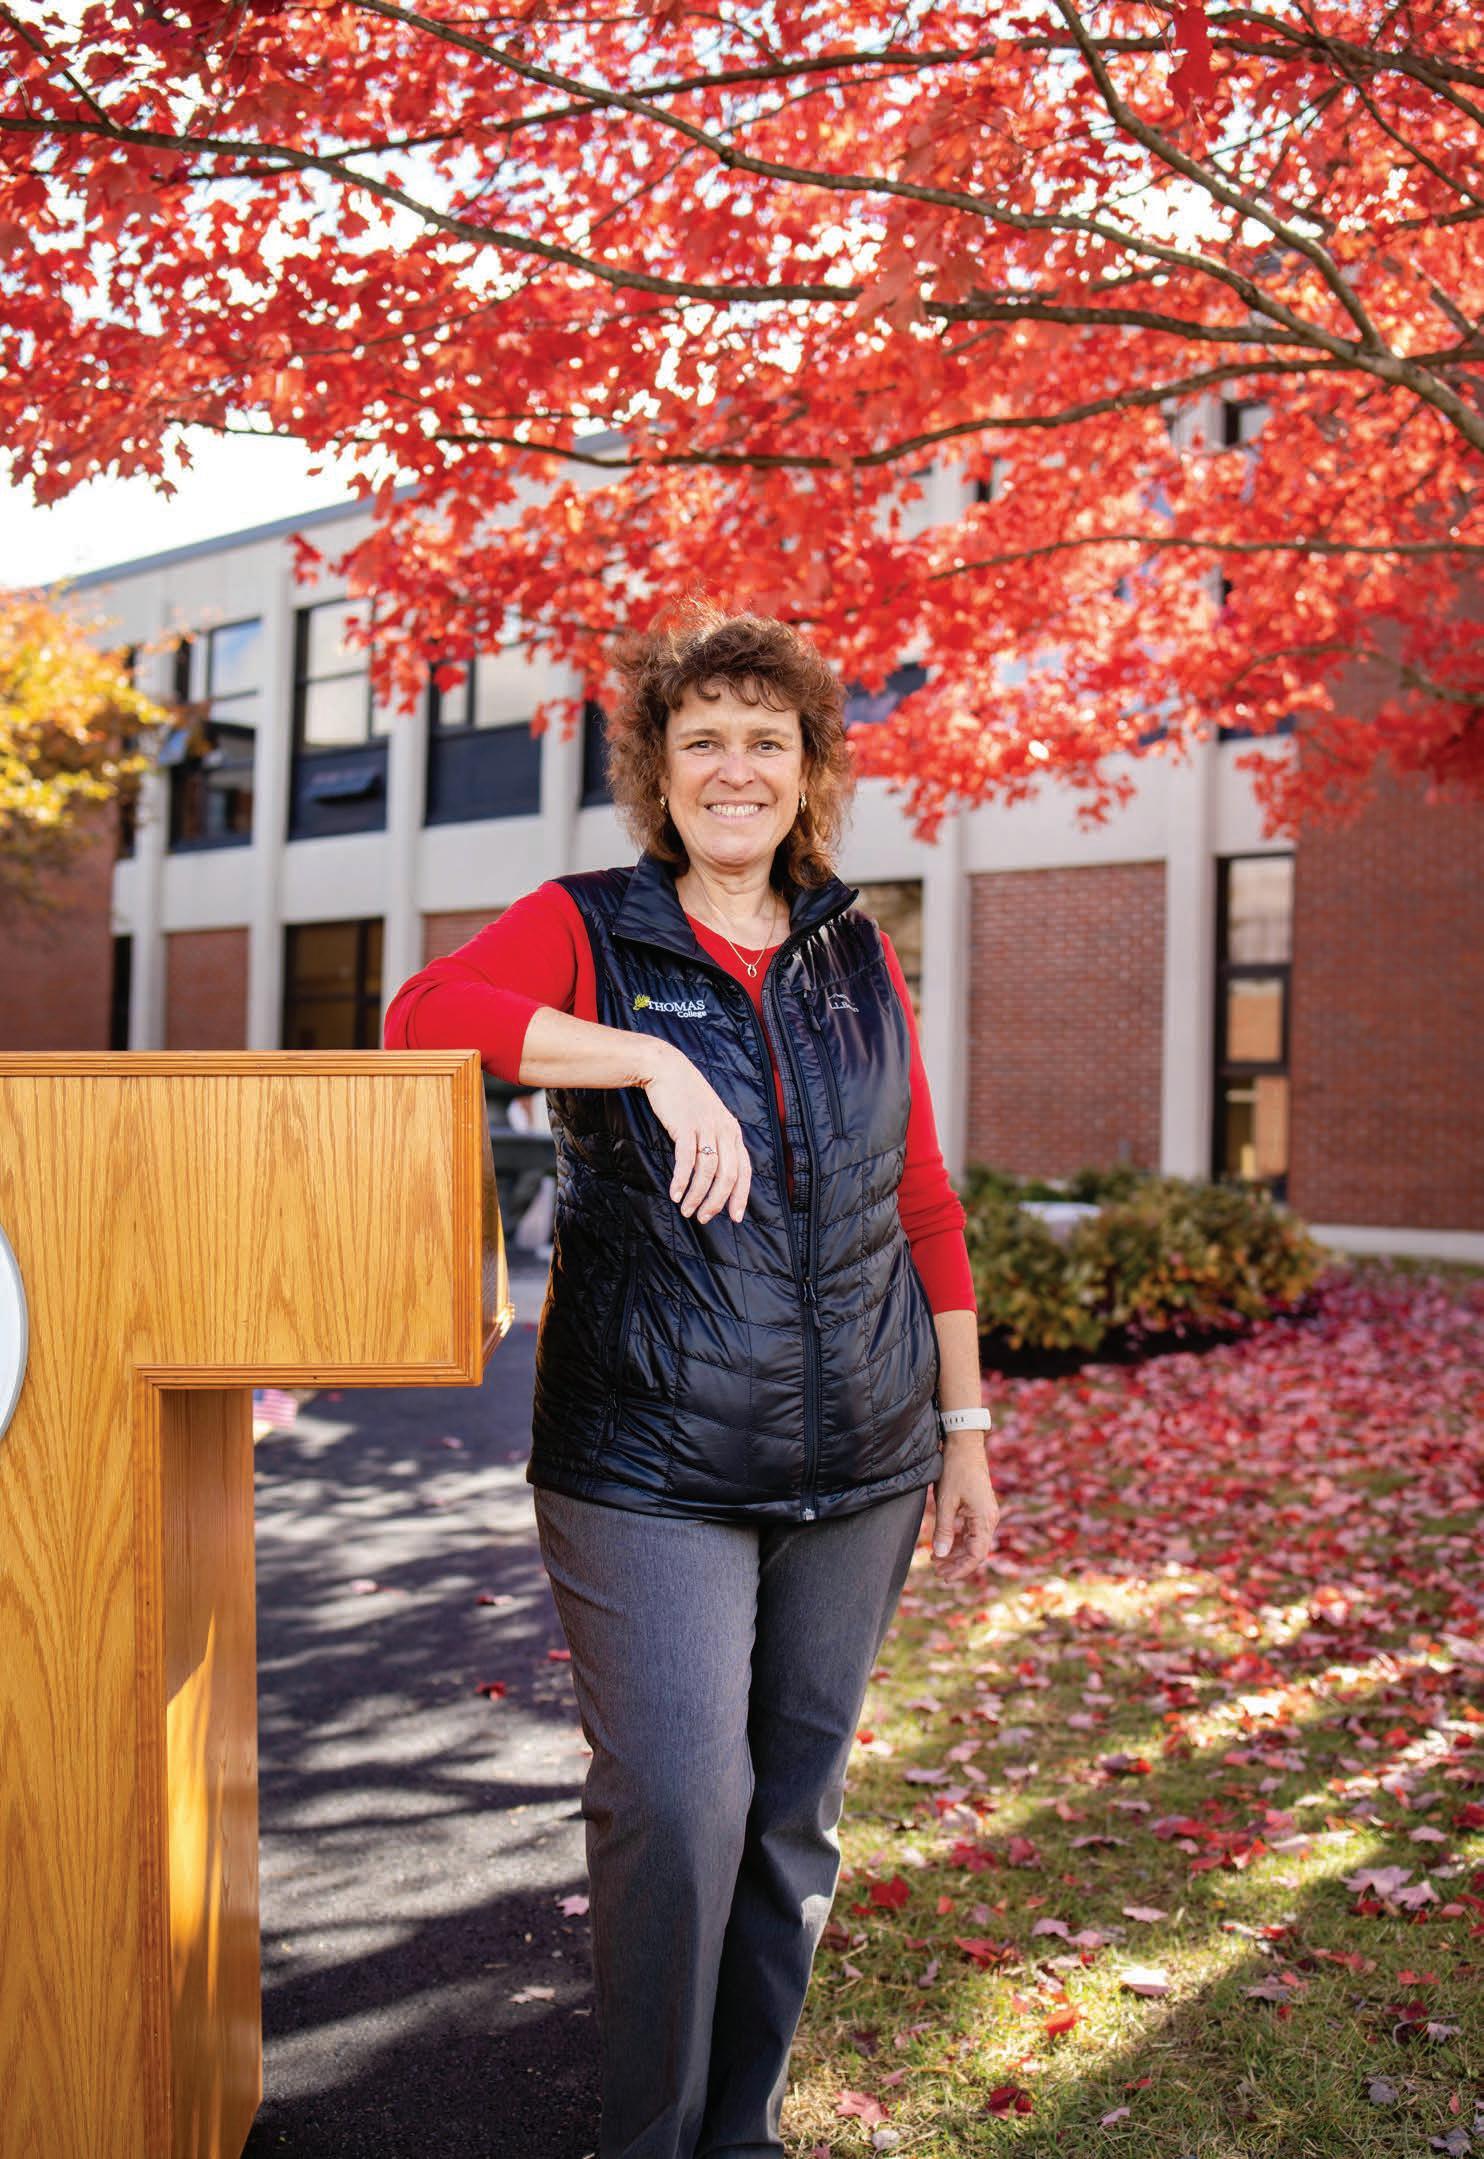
point(784, 1366)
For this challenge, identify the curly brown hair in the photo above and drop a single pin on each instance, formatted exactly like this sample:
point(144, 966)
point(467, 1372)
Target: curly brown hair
point(764, 662)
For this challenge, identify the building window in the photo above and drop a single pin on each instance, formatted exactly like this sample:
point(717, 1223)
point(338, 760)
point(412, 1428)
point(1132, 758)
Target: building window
point(338, 782)
point(211, 770)
point(483, 760)
point(128, 792)
point(896, 905)
point(1248, 734)
point(595, 787)
point(332, 986)
point(1241, 421)
point(128, 825)
point(332, 682)
point(867, 708)
point(118, 1007)
point(1254, 953)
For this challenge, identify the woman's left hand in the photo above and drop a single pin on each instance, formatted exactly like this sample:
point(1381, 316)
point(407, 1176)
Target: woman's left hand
point(965, 1509)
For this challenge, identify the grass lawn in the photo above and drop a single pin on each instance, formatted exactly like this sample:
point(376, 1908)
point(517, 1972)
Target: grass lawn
point(1166, 1839)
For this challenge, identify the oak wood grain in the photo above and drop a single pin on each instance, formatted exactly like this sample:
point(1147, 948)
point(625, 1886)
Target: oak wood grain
point(187, 1226)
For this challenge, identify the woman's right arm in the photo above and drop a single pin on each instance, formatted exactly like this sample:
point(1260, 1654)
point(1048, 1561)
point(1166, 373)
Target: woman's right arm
point(509, 993)
point(712, 1166)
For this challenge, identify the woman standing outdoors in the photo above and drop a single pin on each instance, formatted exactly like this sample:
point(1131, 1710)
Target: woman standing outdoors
point(757, 1352)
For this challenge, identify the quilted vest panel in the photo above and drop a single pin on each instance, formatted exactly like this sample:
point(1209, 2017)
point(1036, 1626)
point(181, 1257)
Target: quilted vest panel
point(784, 1366)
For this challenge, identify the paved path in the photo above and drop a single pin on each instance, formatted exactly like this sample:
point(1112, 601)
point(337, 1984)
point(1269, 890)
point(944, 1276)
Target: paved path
point(423, 1991)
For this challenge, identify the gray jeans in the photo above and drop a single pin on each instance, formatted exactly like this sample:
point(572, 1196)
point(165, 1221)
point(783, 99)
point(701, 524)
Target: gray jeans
point(720, 1670)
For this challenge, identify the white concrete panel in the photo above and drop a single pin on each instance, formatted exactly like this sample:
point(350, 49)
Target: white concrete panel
point(1238, 820)
point(945, 989)
point(407, 774)
point(1189, 964)
point(598, 839)
point(211, 890)
point(125, 896)
point(1460, 1244)
point(483, 865)
point(343, 879)
point(271, 783)
point(1044, 831)
point(147, 958)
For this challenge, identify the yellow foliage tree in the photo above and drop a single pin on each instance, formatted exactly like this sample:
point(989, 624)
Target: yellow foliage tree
point(73, 731)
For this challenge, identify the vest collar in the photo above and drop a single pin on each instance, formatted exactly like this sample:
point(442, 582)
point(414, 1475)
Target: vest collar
point(650, 912)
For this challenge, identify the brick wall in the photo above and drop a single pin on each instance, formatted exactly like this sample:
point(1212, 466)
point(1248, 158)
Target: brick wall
point(1387, 1049)
point(56, 965)
point(206, 989)
point(1066, 1017)
point(443, 933)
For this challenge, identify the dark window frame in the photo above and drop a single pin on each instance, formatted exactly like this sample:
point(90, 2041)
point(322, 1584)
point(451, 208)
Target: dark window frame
point(463, 758)
point(1232, 409)
point(216, 732)
point(324, 774)
point(303, 681)
point(119, 993)
point(436, 697)
point(871, 889)
point(364, 1000)
point(1226, 1069)
point(905, 679)
point(594, 791)
point(128, 793)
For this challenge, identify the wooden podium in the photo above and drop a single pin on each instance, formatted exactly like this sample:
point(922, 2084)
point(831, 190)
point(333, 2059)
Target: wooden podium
point(184, 1227)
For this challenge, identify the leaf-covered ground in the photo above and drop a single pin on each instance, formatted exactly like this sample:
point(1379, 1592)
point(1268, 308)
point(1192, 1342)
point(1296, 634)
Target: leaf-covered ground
point(1166, 1841)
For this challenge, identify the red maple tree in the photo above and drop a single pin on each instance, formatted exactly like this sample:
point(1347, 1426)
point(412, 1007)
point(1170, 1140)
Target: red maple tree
point(649, 299)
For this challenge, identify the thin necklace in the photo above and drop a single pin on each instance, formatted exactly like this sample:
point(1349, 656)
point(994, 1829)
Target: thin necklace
point(752, 966)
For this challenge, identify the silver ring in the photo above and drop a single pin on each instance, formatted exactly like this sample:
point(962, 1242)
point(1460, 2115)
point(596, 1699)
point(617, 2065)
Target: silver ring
point(708, 1150)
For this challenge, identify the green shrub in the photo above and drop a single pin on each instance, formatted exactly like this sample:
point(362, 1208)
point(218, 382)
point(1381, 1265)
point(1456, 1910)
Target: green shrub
point(1026, 1284)
point(1164, 1254)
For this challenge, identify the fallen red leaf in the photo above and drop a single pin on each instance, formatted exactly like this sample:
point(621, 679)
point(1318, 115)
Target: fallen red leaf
point(862, 2106)
point(1009, 2099)
point(894, 1893)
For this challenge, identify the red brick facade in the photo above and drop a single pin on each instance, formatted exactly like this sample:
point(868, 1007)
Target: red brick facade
point(206, 989)
point(1066, 998)
point(444, 933)
point(1387, 1028)
point(56, 977)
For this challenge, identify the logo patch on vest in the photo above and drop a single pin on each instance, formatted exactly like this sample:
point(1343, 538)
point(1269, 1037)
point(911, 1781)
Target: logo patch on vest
point(684, 1008)
point(840, 1001)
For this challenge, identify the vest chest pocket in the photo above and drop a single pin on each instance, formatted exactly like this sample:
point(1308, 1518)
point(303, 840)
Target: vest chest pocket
point(815, 1007)
point(860, 1032)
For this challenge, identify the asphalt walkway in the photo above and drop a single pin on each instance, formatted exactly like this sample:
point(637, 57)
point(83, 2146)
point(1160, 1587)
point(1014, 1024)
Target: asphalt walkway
point(424, 1991)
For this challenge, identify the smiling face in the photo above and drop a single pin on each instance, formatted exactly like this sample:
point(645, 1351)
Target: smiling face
point(734, 772)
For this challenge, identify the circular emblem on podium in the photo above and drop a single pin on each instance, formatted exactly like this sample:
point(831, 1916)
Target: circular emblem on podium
point(13, 1333)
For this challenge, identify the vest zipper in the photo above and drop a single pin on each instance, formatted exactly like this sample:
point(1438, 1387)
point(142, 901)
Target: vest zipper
point(808, 1303)
point(811, 1264)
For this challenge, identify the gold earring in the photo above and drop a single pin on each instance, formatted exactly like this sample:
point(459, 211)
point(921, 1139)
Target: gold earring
point(664, 802)
point(803, 799)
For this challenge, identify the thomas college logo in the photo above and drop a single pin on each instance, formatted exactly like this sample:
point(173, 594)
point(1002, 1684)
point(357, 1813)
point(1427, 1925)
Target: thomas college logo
point(684, 1008)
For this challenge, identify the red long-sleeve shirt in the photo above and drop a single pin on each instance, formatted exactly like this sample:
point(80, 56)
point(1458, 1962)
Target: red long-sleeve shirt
point(537, 952)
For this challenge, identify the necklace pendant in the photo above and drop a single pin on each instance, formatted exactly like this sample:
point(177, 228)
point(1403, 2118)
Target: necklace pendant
point(751, 966)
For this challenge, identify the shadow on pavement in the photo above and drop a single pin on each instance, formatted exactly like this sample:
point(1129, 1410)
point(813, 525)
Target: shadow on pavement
point(423, 1990)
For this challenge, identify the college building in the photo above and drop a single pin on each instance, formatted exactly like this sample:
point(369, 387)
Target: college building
point(1166, 988)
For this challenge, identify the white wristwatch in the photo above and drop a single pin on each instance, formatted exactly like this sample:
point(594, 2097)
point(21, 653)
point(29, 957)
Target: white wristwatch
point(963, 1420)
